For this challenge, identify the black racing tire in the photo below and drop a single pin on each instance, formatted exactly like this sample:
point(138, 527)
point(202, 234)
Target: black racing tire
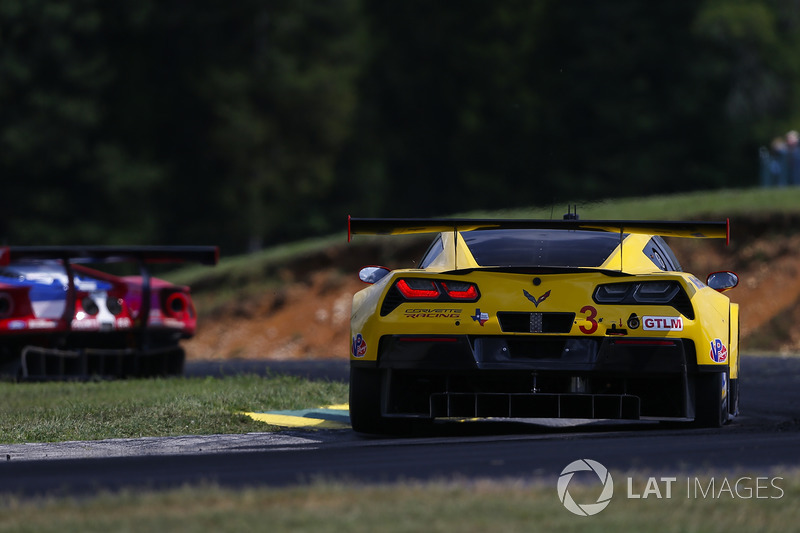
point(733, 402)
point(711, 399)
point(365, 400)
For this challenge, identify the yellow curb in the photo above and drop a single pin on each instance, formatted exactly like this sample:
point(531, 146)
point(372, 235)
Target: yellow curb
point(296, 421)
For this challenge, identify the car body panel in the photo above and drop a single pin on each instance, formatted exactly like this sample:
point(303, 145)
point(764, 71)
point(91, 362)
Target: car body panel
point(539, 310)
point(66, 319)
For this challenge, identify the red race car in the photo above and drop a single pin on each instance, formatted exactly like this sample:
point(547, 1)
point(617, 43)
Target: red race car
point(60, 318)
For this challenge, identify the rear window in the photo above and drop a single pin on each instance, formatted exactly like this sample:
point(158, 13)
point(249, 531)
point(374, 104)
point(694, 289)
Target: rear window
point(525, 247)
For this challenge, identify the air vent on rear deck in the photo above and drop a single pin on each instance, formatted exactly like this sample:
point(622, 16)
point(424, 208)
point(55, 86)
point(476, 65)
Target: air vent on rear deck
point(511, 322)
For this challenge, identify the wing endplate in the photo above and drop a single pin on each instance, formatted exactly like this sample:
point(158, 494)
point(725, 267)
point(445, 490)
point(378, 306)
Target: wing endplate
point(400, 226)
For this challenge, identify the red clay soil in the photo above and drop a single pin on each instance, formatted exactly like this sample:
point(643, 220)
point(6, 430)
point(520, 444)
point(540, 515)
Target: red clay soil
point(310, 319)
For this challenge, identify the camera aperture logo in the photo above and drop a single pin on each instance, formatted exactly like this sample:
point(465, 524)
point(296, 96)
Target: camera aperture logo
point(743, 487)
point(585, 509)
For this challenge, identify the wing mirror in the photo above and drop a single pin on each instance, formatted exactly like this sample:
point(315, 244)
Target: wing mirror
point(722, 281)
point(372, 274)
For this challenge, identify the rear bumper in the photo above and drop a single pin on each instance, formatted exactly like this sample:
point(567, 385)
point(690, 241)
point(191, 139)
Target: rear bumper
point(536, 377)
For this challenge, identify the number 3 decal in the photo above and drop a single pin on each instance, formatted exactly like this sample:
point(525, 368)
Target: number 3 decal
point(591, 314)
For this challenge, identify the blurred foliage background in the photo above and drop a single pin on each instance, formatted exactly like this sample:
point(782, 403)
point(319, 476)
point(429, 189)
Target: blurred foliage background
point(253, 122)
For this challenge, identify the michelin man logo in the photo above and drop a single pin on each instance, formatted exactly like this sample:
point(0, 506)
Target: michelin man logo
point(586, 509)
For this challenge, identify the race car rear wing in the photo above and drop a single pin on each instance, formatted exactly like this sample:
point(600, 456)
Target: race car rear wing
point(205, 255)
point(399, 226)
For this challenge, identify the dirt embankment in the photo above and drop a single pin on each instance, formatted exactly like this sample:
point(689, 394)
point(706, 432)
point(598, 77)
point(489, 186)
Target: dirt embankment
point(307, 315)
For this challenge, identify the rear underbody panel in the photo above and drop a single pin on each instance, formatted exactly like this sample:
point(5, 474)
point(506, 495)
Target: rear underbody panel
point(536, 377)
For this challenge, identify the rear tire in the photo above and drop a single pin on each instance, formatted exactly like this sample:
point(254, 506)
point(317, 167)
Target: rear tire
point(711, 399)
point(733, 402)
point(366, 400)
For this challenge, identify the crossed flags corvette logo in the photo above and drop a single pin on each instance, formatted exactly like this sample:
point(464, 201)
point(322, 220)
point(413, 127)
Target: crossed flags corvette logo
point(536, 301)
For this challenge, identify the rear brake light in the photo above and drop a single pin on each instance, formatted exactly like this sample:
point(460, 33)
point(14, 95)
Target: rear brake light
point(176, 304)
point(418, 289)
point(459, 290)
point(428, 290)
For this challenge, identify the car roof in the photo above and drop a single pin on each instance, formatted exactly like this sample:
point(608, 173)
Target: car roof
point(526, 248)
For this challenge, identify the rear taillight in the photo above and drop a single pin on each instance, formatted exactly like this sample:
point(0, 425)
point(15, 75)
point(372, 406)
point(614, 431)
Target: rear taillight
point(418, 289)
point(437, 290)
point(428, 290)
point(643, 292)
point(460, 290)
point(656, 292)
point(177, 305)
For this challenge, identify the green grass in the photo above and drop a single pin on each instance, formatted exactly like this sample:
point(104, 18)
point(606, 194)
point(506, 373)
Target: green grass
point(51, 412)
point(468, 506)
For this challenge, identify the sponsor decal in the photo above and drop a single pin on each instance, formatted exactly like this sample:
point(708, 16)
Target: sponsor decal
point(86, 323)
point(17, 324)
point(173, 323)
point(719, 353)
point(536, 301)
point(432, 313)
point(662, 323)
point(41, 324)
point(591, 319)
point(480, 318)
point(359, 346)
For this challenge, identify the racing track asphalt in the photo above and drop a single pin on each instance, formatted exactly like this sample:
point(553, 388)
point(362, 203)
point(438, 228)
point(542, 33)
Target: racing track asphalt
point(765, 439)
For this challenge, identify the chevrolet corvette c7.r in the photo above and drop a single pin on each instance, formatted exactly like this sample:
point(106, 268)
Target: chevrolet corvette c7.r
point(526, 319)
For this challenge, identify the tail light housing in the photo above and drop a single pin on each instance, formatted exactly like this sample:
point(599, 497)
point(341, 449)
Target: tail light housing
point(178, 305)
point(418, 289)
point(657, 292)
point(428, 290)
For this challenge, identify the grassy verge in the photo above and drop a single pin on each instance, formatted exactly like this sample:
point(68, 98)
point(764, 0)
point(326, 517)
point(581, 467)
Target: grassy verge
point(465, 506)
point(240, 276)
point(50, 412)
point(686, 206)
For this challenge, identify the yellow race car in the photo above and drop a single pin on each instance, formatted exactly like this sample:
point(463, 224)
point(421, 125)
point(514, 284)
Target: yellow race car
point(583, 319)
